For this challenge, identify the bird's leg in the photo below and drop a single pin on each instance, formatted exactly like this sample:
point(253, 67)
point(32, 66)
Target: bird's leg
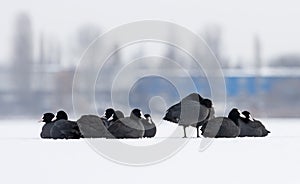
point(197, 127)
point(184, 131)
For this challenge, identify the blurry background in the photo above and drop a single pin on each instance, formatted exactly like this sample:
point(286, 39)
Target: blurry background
point(257, 44)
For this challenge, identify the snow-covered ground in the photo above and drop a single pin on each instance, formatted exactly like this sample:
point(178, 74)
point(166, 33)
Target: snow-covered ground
point(25, 158)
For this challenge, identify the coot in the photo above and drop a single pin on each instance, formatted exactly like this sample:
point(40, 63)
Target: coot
point(92, 126)
point(173, 112)
point(128, 127)
point(47, 118)
point(63, 128)
point(149, 126)
point(191, 110)
point(251, 127)
point(223, 127)
point(107, 115)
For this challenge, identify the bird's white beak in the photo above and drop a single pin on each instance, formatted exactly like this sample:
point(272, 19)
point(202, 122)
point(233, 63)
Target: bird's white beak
point(142, 115)
point(250, 117)
point(242, 115)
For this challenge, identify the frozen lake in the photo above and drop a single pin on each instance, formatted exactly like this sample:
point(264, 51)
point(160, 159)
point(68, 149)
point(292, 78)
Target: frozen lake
point(25, 158)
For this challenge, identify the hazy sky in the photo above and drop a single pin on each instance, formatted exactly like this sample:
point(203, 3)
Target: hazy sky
point(274, 21)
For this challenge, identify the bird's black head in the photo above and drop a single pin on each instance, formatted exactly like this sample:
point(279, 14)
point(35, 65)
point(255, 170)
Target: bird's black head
point(136, 114)
point(234, 114)
point(247, 115)
point(61, 115)
point(207, 103)
point(47, 117)
point(109, 112)
point(147, 116)
point(118, 115)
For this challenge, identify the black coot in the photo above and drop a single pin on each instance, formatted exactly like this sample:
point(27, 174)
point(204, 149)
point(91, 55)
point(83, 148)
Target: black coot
point(47, 118)
point(149, 126)
point(251, 127)
point(128, 127)
point(108, 114)
point(92, 126)
point(173, 113)
point(223, 127)
point(191, 110)
point(63, 128)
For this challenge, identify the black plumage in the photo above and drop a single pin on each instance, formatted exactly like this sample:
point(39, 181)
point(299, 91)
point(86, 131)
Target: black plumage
point(128, 127)
point(227, 127)
point(63, 128)
point(107, 115)
point(117, 115)
point(47, 118)
point(193, 110)
point(92, 126)
point(149, 126)
point(251, 127)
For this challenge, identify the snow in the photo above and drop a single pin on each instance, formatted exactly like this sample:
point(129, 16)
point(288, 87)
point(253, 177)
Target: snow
point(25, 158)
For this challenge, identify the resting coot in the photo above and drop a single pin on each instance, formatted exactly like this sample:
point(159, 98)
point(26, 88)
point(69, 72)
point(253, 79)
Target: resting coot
point(47, 118)
point(149, 126)
point(108, 114)
point(128, 127)
point(223, 126)
point(251, 127)
point(63, 128)
point(92, 126)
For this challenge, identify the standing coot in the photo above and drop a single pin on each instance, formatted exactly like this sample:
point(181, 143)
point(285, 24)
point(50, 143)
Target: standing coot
point(47, 118)
point(173, 113)
point(63, 128)
point(191, 110)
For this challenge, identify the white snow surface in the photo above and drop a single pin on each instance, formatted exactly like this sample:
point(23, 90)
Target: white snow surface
point(25, 158)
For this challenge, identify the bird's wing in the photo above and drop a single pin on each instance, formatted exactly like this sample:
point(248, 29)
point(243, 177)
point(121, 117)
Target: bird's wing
point(119, 127)
point(193, 112)
point(256, 124)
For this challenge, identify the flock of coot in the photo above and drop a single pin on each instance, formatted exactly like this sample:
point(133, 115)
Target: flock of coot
point(193, 110)
point(112, 125)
